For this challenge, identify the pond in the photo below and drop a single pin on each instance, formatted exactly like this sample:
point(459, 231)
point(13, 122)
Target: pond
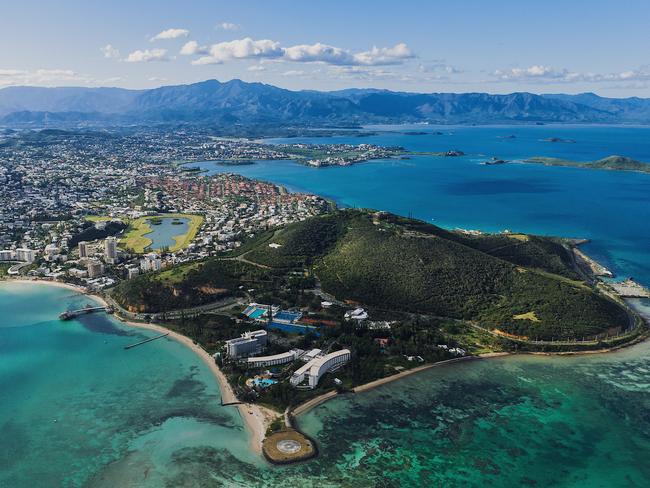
point(164, 229)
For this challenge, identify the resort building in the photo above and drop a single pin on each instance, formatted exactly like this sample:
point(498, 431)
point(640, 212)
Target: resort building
point(356, 314)
point(249, 344)
point(25, 255)
point(266, 361)
point(312, 371)
point(110, 250)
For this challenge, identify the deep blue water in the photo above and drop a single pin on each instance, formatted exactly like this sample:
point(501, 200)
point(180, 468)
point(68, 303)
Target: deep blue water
point(612, 208)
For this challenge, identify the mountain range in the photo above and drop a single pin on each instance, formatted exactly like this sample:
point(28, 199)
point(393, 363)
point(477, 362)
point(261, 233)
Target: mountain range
point(238, 102)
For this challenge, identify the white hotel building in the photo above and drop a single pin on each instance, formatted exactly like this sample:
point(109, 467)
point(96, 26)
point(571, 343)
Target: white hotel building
point(317, 367)
point(276, 359)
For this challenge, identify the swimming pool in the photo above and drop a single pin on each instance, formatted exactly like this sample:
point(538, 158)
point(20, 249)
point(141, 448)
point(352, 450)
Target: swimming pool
point(257, 313)
point(264, 382)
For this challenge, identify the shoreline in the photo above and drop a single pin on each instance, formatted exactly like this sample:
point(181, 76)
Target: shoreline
point(256, 418)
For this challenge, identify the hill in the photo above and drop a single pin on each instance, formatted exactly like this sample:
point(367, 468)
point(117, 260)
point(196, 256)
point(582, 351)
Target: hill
point(522, 285)
point(238, 102)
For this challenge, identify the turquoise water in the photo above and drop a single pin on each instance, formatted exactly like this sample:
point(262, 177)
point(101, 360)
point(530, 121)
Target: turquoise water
point(76, 409)
point(162, 235)
point(610, 208)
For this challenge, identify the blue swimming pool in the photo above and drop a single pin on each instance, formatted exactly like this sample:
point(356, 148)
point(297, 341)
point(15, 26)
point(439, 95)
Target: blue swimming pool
point(293, 328)
point(264, 382)
point(257, 313)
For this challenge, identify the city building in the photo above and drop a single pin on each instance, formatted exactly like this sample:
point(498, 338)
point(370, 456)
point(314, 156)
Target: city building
point(312, 371)
point(110, 250)
point(151, 262)
point(249, 344)
point(83, 249)
point(132, 272)
point(95, 268)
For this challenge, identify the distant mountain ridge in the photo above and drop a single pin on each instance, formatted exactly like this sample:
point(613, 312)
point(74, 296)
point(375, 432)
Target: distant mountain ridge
point(239, 102)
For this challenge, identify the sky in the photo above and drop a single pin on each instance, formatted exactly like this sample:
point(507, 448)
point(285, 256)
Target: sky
point(498, 46)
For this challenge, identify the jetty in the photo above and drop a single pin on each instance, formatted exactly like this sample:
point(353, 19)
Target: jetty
point(131, 346)
point(70, 314)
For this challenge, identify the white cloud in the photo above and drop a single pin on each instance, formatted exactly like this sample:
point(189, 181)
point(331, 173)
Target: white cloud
point(192, 47)
point(240, 49)
point(294, 72)
point(384, 56)
point(256, 67)
point(248, 48)
point(147, 55)
point(547, 74)
point(170, 34)
point(110, 52)
point(229, 26)
point(42, 77)
point(322, 53)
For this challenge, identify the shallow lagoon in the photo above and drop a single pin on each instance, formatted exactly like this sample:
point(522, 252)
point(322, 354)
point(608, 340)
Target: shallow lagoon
point(153, 418)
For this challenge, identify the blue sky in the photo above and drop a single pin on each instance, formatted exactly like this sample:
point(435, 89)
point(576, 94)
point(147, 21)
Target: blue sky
point(431, 46)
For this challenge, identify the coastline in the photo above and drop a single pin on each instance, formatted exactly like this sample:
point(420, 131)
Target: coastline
point(319, 400)
point(255, 417)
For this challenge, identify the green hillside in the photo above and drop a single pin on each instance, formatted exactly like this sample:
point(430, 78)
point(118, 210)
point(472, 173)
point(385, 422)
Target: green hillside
point(523, 285)
point(187, 285)
point(518, 284)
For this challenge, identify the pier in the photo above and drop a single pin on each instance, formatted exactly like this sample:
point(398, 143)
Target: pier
point(131, 346)
point(70, 314)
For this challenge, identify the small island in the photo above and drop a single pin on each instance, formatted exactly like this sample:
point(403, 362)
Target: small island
point(615, 163)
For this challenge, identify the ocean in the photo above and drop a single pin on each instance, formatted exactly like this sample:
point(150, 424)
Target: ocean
point(611, 208)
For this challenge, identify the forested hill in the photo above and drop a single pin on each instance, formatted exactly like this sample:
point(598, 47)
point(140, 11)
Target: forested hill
point(519, 284)
point(238, 102)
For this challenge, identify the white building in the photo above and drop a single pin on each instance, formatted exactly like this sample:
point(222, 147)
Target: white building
point(26, 255)
point(317, 367)
point(266, 361)
point(249, 344)
point(132, 272)
point(110, 250)
point(356, 314)
point(151, 262)
point(7, 255)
